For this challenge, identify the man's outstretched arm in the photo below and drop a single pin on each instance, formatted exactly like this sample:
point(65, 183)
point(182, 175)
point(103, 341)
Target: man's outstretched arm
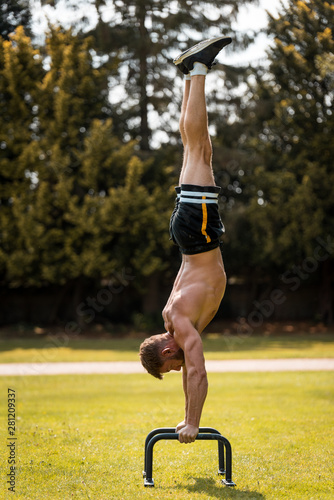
point(195, 382)
point(184, 381)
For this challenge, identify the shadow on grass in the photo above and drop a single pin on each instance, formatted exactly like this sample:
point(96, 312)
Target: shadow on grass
point(47, 342)
point(232, 343)
point(236, 343)
point(210, 488)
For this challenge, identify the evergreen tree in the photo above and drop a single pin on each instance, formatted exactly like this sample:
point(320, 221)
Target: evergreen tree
point(293, 200)
point(76, 210)
point(144, 36)
point(20, 71)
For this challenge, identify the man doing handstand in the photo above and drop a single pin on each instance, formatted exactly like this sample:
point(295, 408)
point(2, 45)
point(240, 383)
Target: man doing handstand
point(196, 227)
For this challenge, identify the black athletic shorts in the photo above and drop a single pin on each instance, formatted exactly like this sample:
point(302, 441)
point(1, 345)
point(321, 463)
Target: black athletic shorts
point(195, 225)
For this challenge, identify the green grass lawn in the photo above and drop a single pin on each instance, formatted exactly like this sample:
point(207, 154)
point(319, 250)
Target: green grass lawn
point(52, 349)
point(82, 437)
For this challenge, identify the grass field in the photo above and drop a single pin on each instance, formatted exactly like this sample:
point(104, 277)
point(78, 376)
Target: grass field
point(82, 437)
point(52, 348)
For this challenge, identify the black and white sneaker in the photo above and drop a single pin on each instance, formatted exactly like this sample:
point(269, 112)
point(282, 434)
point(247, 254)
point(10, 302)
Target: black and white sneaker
point(203, 52)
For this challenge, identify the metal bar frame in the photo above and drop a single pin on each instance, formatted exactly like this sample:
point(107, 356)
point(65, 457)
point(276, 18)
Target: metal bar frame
point(205, 433)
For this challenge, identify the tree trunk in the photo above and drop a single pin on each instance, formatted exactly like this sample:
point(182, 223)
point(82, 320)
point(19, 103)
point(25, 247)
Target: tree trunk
point(152, 299)
point(58, 302)
point(326, 296)
point(145, 132)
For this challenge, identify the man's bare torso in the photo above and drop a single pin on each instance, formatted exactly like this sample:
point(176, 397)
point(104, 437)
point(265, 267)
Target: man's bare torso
point(198, 290)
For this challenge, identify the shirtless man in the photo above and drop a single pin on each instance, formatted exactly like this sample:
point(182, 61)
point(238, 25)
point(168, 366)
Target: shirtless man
point(195, 227)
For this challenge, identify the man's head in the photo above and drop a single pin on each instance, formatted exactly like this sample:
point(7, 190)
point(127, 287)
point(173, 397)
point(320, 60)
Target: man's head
point(161, 354)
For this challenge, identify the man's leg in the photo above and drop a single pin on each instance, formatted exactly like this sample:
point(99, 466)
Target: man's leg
point(182, 129)
point(197, 167)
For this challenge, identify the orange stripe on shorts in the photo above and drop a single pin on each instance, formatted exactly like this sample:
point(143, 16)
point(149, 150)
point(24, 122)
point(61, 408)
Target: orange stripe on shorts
point(205, 220)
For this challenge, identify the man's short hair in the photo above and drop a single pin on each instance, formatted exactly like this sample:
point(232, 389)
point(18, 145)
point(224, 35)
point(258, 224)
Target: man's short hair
point(150, 354)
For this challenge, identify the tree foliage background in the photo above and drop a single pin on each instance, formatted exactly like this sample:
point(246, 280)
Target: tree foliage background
point(293, 106)
point(87, 189)
point(73, 204)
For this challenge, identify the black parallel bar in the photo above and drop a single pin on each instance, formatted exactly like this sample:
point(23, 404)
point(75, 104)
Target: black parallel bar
point(149, 456)
point(160, 430)
point(201, 436)
point(202, 430)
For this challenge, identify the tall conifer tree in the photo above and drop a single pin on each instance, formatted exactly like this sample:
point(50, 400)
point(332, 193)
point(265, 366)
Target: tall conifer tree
point(294, 199)
point(144, 36)
point(73, 207)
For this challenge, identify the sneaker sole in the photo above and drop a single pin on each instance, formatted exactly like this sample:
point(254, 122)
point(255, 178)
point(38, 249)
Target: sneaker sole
point(198, 47)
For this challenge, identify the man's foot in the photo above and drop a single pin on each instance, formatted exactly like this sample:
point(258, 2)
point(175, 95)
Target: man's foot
point(203, 52)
